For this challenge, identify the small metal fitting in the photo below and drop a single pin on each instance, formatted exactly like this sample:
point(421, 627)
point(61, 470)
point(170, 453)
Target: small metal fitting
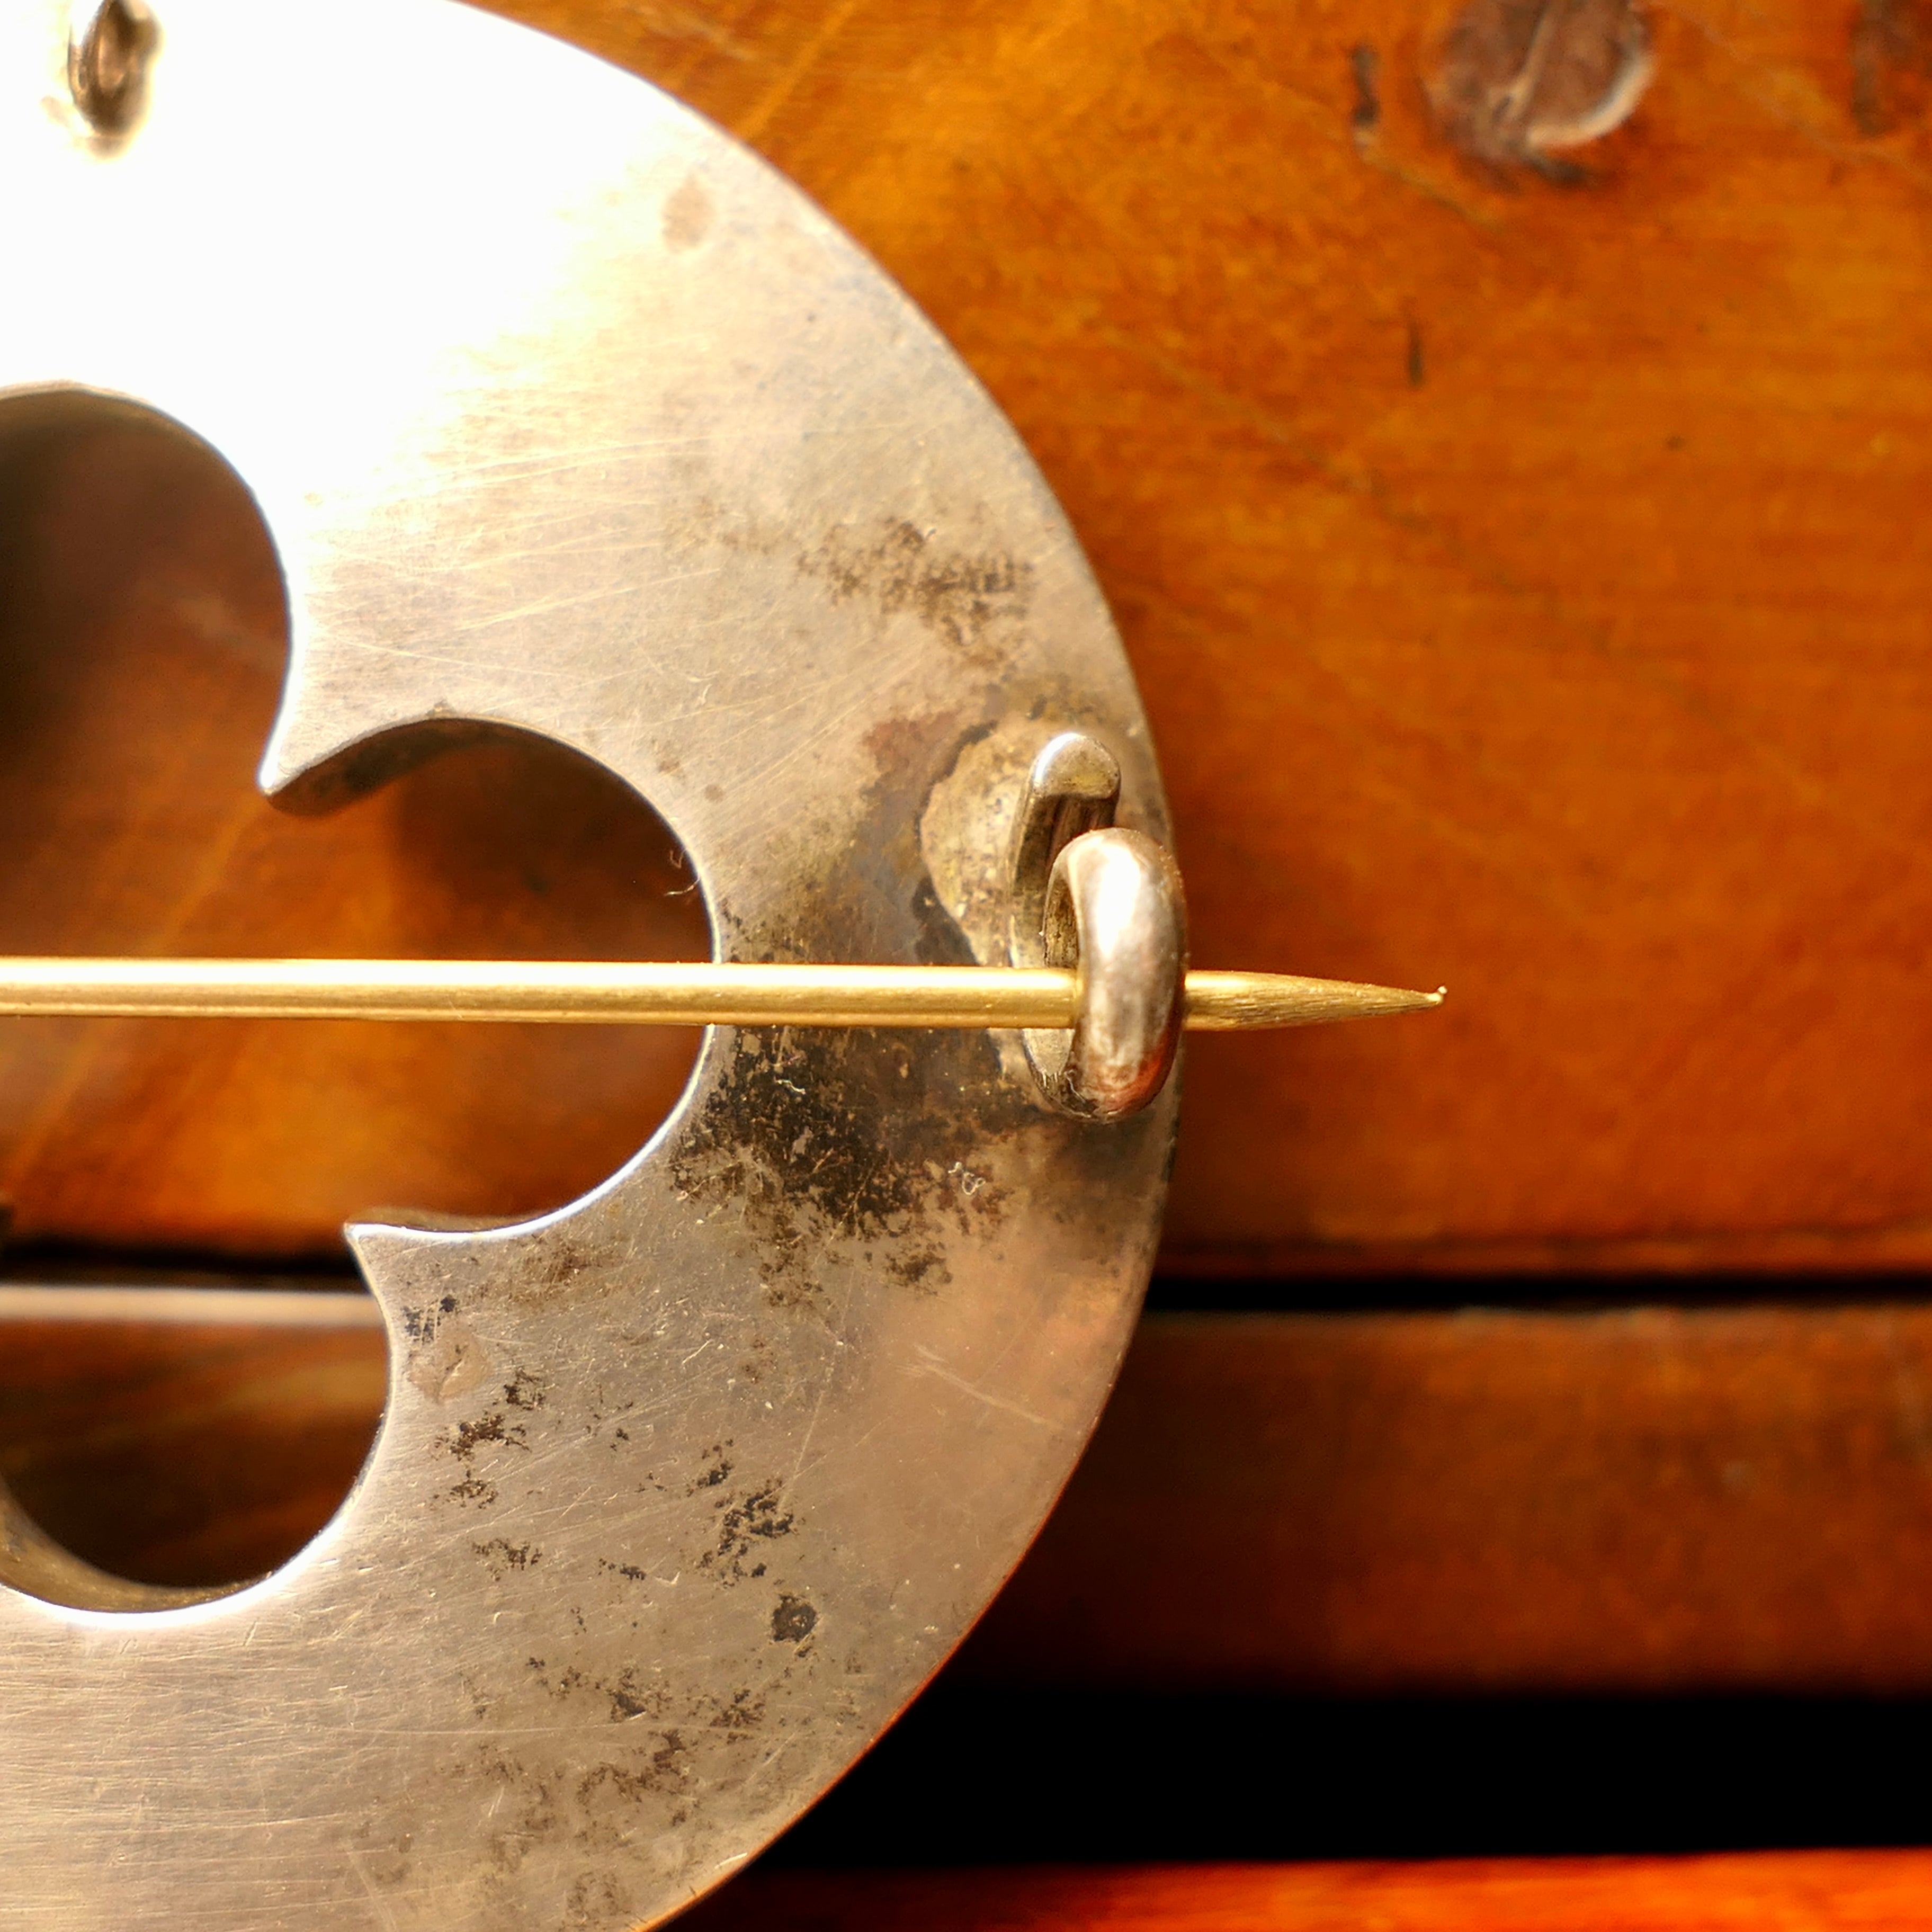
point(107, 64)
point(1073, 786)
point(1114, 912)
point(1089, 896)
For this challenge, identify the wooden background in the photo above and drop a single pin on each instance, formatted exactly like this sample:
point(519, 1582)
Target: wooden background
point(1526, 580)
point(1520, 548)
point(1525, 575)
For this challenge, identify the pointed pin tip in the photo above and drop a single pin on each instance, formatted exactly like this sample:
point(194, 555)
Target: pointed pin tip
point(1398, 1000)
point(1221, 1001)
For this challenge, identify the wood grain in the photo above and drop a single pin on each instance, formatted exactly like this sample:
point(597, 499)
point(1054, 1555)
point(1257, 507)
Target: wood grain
point(185, 1452)
point(1635, 1500)
point(1640, 1501)
point(142, 647)
point(1801, 1891)
point(1526, 580)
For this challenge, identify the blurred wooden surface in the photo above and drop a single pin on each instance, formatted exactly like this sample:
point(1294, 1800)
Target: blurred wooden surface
point(1639, 1500)
point(1525, 578)
point(1801, 1891)
point(182, 1451)
point(142, 649)
point(1646, 1501)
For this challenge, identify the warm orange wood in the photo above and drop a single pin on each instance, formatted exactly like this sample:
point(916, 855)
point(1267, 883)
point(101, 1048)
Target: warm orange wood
point(1649, 1499)
point(1526, 581)
point(142, 642)
point(1794, 1891)
point(1716, 1500)
point(185, 1453)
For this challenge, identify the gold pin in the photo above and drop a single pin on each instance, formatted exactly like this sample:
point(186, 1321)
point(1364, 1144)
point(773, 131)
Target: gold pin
point(565, 992)
point(568, 416)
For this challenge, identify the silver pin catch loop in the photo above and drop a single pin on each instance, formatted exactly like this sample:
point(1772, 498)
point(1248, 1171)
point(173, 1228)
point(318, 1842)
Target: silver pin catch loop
point(1073, 787)
point(1087, 896)
point(107, 64)
point(1114, 913)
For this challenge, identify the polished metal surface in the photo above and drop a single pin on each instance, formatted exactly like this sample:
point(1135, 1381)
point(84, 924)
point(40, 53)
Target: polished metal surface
point(1072, 787)
point(569, 416)
point(1088, 895)
point(683, 993)
point(109, 49)
point(1114, 903)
